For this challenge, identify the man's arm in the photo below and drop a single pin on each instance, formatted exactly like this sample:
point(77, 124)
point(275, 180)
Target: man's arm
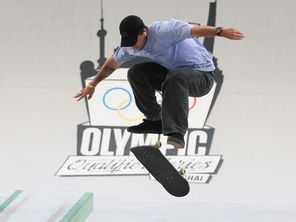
point(107, 69)
point(210, 31)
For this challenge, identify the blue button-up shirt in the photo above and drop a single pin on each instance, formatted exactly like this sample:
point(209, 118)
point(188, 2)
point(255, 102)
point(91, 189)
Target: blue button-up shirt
point(170, 44)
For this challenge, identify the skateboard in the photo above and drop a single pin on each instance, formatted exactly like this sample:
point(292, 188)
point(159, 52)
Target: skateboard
point(162, 170)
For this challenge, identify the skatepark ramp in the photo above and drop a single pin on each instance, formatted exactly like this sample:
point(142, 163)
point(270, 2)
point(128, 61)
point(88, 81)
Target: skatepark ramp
point(37, 206)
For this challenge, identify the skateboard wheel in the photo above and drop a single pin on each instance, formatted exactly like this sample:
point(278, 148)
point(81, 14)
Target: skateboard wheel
point(182, 171)
point(158, 144)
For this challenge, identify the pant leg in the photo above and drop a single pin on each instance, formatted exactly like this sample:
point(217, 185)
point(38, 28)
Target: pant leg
point(178, 86)
point(144, 79)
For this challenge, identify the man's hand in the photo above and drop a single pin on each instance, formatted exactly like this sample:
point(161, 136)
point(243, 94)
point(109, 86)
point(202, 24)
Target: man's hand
point(107, 69)
point(231, 33)
point(86, 92)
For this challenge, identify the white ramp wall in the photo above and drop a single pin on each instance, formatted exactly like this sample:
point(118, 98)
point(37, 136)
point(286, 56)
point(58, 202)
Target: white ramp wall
point(44, 42)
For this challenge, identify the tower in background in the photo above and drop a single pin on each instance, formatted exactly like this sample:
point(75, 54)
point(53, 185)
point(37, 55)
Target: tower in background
point(101, 34)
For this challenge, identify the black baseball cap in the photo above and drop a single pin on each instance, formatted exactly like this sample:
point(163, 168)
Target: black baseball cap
point(129, 28)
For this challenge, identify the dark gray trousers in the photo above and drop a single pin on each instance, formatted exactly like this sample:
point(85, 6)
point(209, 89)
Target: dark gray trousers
point(176, 86)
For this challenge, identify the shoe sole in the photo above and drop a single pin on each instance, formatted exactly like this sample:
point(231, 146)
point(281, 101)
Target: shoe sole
point(175, 144)
point(141, 132)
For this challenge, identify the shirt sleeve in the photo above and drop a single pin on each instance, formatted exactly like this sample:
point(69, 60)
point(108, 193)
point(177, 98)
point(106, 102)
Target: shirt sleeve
point(121, 55)
point(179, 30)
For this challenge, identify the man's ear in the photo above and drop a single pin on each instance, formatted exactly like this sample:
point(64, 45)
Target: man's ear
point(145, 31)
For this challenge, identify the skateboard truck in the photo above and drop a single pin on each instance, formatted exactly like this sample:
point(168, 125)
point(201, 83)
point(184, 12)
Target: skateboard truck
point(158, 144)
point(182, 171)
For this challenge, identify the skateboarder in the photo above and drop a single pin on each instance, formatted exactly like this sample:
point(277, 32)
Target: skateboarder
point(181, 67)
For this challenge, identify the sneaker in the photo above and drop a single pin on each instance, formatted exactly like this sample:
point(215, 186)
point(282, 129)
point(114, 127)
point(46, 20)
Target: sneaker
point(147, 126)
point(176, 140)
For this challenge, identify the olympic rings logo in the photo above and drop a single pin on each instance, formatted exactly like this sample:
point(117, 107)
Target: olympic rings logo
point(126, 102)
point(119, 107)
point(193, 104)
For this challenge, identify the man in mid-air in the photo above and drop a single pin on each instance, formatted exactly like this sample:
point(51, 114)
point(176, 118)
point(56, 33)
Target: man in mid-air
point(181, 67)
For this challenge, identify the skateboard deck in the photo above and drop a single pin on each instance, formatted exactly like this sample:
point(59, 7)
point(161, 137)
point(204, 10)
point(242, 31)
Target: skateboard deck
point(162, 170)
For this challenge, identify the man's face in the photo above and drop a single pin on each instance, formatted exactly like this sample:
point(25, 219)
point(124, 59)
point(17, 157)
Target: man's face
point(141, 41)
